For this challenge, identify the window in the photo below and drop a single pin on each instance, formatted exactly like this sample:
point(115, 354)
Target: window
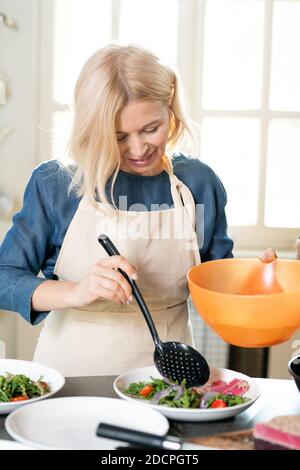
point(240, 66)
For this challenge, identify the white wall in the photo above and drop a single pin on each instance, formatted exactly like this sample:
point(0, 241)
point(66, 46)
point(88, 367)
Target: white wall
point(18, 152)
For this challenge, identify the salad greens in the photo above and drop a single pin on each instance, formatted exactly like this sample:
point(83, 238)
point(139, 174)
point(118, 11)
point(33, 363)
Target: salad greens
point(188, 399)
point(20, 387)
point(162, 392)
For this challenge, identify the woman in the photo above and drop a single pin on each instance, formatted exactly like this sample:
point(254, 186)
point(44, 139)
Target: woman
point(127, 112)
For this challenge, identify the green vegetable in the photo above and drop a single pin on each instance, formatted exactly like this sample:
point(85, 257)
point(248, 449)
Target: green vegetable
point(135, 388)
point(230, 400)
point(189, 399)
point(12, 386)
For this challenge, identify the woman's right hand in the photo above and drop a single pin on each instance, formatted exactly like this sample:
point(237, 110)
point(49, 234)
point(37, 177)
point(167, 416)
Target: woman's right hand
point(105, 282)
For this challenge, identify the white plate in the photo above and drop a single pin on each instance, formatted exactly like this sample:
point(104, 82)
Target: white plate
point(182, 414)
point(13, 445)
point(71, 423)
point(34, 371)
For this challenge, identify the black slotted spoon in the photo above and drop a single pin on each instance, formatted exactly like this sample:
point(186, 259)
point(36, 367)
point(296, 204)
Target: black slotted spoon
point(174, 361)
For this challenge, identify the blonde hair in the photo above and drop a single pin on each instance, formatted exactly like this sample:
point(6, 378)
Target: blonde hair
point(112, 77)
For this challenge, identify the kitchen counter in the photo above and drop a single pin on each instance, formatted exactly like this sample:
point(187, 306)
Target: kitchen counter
point(278, 397)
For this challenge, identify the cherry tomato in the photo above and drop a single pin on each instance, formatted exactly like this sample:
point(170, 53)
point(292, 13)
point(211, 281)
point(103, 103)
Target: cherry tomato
point(146, 390)
point(20, 398)
point(218, 404)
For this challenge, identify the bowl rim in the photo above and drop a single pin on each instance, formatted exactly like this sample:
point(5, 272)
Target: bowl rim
point(243, 258)
point(296, 376)
point(240, 296)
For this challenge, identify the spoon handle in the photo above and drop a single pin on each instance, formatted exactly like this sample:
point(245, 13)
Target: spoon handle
point(138, 438)
point(111, 250)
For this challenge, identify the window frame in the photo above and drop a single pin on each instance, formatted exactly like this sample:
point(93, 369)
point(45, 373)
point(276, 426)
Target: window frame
point(191, 23)
point(191, 32)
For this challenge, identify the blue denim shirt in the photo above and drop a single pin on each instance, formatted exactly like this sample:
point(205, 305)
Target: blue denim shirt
point(33, 243)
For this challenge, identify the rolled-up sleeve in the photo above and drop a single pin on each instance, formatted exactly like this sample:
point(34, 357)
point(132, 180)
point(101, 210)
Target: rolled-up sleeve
point(25, 249)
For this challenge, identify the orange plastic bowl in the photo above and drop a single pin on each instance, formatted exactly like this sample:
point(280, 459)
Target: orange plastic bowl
point(246, 320)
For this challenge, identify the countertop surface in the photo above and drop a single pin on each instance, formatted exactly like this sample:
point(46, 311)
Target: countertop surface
point(278, 397)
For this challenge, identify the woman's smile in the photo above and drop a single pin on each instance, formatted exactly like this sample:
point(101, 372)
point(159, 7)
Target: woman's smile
point(143, 162)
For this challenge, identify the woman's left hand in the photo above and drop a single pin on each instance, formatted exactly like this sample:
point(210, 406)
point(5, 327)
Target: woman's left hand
point(268, 256)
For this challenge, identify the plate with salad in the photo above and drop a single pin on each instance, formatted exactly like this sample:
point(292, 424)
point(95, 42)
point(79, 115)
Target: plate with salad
point(226, 394)
point(24, 382)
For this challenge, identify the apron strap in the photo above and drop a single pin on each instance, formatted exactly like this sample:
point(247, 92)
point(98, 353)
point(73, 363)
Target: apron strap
point(182, 197)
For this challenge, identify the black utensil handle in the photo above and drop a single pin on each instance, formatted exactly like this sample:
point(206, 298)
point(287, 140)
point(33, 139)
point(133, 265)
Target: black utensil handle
point(111, 250)
point(143, 439)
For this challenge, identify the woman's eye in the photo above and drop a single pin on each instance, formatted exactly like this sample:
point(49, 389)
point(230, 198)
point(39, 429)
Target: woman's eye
point(122, 138)
point(150, 131)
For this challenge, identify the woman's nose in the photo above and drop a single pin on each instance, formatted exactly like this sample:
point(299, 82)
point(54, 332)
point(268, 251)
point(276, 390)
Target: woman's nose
point(137, 146)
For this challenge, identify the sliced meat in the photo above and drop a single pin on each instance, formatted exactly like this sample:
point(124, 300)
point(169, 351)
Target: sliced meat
point(282, 432)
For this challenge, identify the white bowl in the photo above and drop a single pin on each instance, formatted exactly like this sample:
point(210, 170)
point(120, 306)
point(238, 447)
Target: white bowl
point(71, 422)
point(34, 371)
point(187, 414)
point(13, 445)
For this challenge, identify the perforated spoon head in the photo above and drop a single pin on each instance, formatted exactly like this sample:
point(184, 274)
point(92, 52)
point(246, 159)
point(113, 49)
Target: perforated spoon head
point(178, 362)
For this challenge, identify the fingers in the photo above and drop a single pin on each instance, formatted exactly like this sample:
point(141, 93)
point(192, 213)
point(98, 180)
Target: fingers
point(109, 294)
point(105, 281)
point(268, 256)
point(114, 281)
point(119, 262)
point(106, 271)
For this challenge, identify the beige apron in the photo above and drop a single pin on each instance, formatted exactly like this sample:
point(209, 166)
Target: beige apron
point(108, 338)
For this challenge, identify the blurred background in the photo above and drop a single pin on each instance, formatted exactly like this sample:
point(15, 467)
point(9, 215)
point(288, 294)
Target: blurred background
point(239, 63)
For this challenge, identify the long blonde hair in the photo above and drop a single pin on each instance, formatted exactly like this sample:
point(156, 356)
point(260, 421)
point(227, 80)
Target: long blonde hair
point(112, 77)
